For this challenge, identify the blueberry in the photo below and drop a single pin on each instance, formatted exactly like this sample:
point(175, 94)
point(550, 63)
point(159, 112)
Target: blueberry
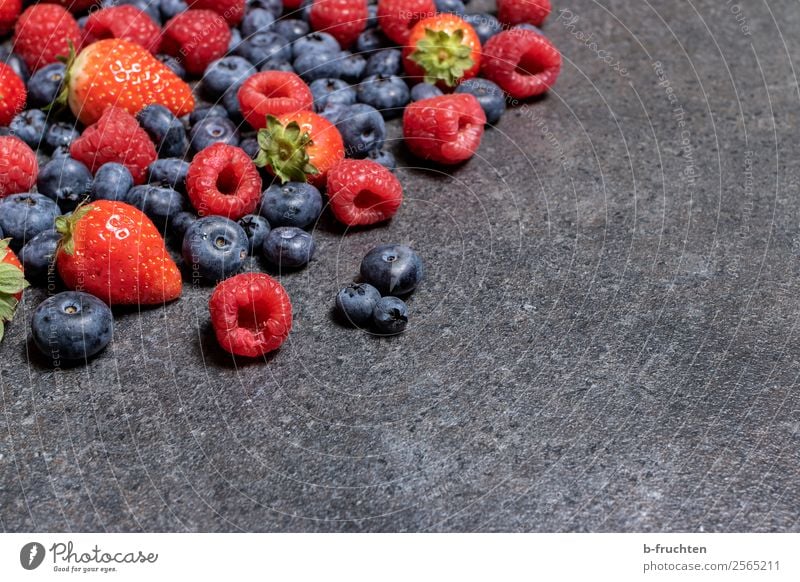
point(23, 216)
point(319, 65)
point(168, 172)
point(263, 47)
point(362, 128)
point(389, 94)
point(370, 40)
point(181, 222)
point(61, 134)
point(490, 96)
point(277, 66)
point(256, 228)
point(356, 302)
point(66, 181)
point(384, 158)
point(160, 204)
point(291, 28)
point(390, 316)
point(351, 67)
point(223, 74)
point(255, 21)
point(72, 326)
point(166, 130)
point(30, 126)
point(452, 6)
point(212, 130)
point(393, 269)
point(316, 42)
point(60, 152)
point(331, 91)
point(231, 103)
point(334, 111)
point(372, 18)
point(207, 110)
point(250, 147)
point(214, 247)
point(171, 8)
point(45, 85)
point(289, 247)
point(173, 65)
point(485, 25)
point(37, 255)
point(422, 91)
point(527, 26)
point(295, 204)
point(112, 182)
point(236, 40)
point(384, 62)
point(275, 7)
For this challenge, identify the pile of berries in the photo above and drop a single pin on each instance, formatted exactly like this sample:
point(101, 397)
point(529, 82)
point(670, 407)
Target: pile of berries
point(227, 127)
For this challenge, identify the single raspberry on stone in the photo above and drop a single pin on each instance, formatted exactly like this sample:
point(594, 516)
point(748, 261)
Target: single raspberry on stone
point(196, 38)
point(362, 192)
point(523, 11)
point(18, 166)
point(223, 181)
point(522, 62)
point(342, 19)
point(126, 22)
point(43, 33)
point(273, 93)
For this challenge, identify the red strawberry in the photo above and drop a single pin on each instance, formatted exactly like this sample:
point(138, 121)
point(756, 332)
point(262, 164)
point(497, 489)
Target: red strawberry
point(523, 11)
point(273, 93)
point(363, 192)
point(195, 38)
point(43, 33)
point(446, 129)
point(251, 314)
point(12, 283)
point(113, 251)
point(522, 62)
point(12, 94)
point(398, 17)
point(300, 147)
point(9, 12)
point(123, 74)
point(231, 10)
point(116, 137)
point(342, 19)
point(18, 166)
point(223, 181)
point(443, 49)
point(124, 21)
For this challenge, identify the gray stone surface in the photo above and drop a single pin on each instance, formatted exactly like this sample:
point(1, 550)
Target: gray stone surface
point(607, 339)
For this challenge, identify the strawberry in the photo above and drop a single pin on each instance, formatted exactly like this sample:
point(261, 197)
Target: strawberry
point(123, 21)
point(300, 147)
point(447, 129)
point(116, 137)
point(9, 12)
point(342, 19)
point(12, 94)
point(12, 283)
point(522, 62)
point(231, 10)
point(113, 251)
point(43, 33)
point(443, 49)
point(513, 12)
point(18, 166)
point(123, 74)
point(273, 93)
point(196, 38)
point(398, 17)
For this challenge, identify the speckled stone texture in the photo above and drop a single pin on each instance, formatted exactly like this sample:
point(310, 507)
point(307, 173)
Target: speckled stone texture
point(606, 341)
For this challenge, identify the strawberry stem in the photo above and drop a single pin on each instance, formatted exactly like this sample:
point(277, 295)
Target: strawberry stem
point(443, 56)
point(285, 151)
point(60, 102)
point(65, 225)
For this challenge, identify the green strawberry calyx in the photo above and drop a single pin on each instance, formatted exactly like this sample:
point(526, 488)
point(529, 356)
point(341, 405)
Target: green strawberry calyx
point(65, 226)
point(62, 98)
point(284, 149)
point(12, 283)
point(443, 56)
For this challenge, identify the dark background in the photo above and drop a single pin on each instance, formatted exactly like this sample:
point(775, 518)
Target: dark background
point(606, 340)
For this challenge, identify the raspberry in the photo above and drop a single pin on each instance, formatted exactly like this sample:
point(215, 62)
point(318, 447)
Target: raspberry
point(43, 33)
point(18, 166)
point(116, 137)
point(9, 12)
point(363, 192)
point(523, 11)
point(251, 314)
point(273, 93)
point(522, 62)
point(12, 94)
point(342, 19)
point(196, 38)
point(223, 181)
point(398, 17)
point(127, 22)
point(446, 129)
point(231, 10)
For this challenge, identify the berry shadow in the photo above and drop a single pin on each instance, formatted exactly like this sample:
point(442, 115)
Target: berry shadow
point(212, 353)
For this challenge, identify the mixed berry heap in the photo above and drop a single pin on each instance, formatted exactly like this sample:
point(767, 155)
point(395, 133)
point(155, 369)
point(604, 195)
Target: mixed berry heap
point(226, 128)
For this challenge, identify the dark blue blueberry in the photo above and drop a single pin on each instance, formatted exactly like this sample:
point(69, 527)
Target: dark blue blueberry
point(356, 302)
point(384, 158)
point(333, 112)
point(292, 204)
point(168, 172)
point(37, 255)
point(72, 326)
point(319, 65)
point(393, 269)
point(224, 73)
point(149, 8)
point(60, 152)
point(291, 28)
point(66, 181)
point(263, 47)
point(30, 126)
point(370, 41)
point(422, 91)
point(316, 42)
point(158, 203)
point(289, 247)
point(171, 8)
point(231, 102)
point(452, 6)
point(181, 222)
point(207, 110)
point(166, 130)
point(384, 62)
point(250, 146)
point(255, 21)
point(372, 19)
point(212, 130)
point(214, 248)
point(45, 85)
point(490, 96)
point(485, 25)
point(23, 216)
point(305, 9)
point(389, 95)
point(236, 39)
point(275, 7)
point(256, 228)
point(352, 67)
point(277, 66)
point(390, 316)
point(362, 128)
point(61, 135)
point(173, 64)
point(112, 182)
point(327, 91)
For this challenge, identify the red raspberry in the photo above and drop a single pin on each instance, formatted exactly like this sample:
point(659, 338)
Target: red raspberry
point(523, 11)
point(196, 38)
point(446, 129)
point(223, 181)
point(124, 21)
point(9, 12)
point(398, 17)
point(116, 137)
point(273, 93)
point(43, 33)
point(12, 94)
point(343, 19)
point(75, 6)
point(231, 10)
point(18, 166)
point(363, 192)
point(522, 62)
point(251, 314)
